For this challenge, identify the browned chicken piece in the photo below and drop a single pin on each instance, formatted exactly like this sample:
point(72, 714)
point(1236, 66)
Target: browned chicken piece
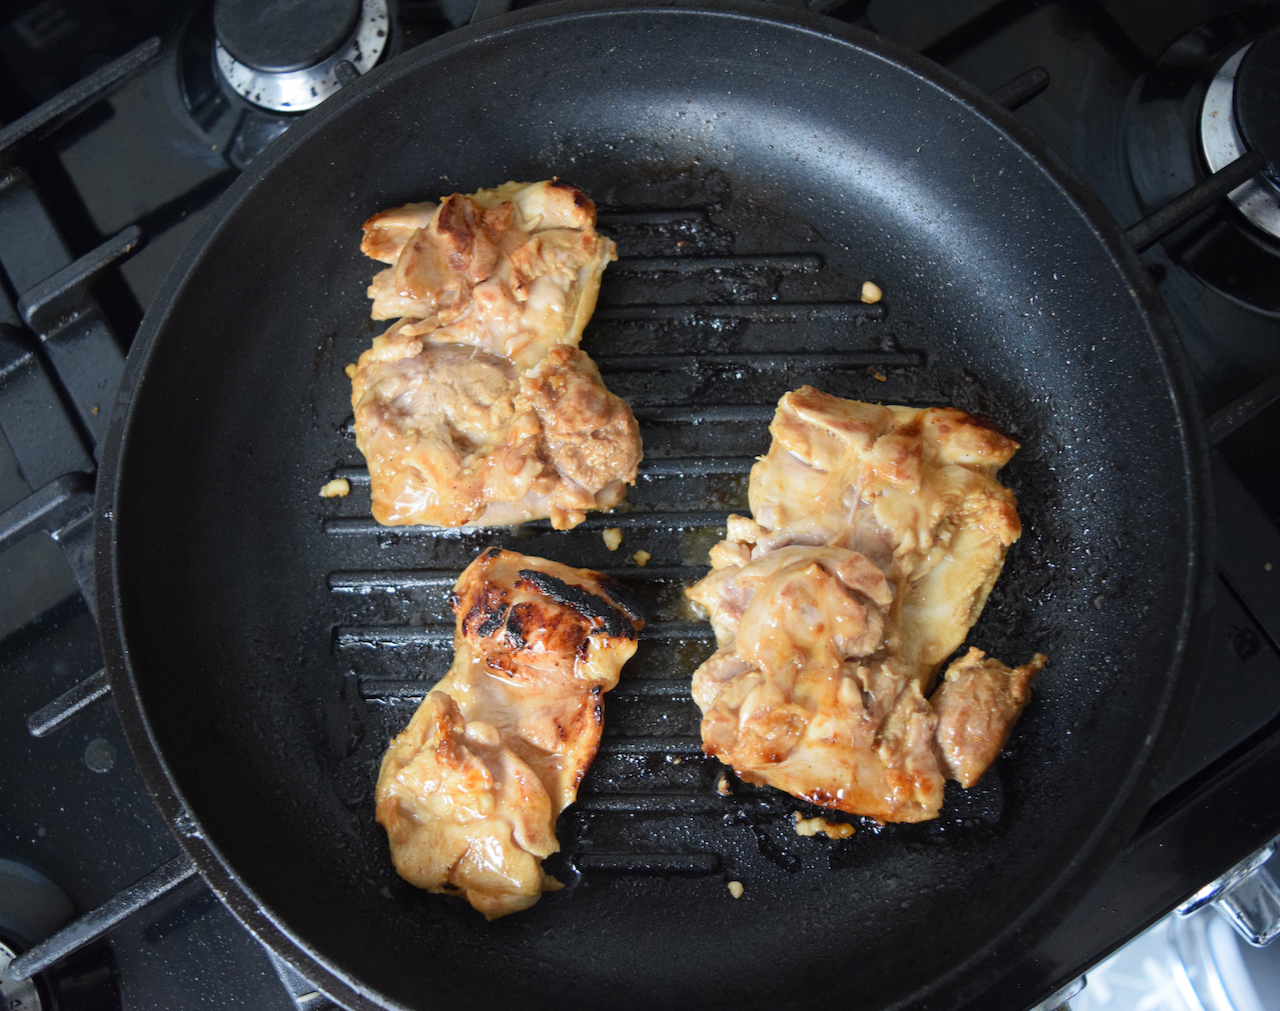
point(478, 407)
point(977, 703)
point(453, 435)
point(820, 685)
point(470, 791)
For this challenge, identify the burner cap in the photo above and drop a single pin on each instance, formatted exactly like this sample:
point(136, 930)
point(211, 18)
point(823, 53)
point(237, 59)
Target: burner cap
point(277, 36)
point(1257, 98)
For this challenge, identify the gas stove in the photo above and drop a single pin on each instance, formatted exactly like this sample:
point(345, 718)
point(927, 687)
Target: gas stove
point(125, 121)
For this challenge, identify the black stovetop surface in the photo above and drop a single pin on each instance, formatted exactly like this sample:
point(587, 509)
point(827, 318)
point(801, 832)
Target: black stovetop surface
point(75, 806)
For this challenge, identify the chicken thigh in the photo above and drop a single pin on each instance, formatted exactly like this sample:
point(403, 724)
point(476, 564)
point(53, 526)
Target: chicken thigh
point(470, 791)
point(878, 533)
point(477, 407)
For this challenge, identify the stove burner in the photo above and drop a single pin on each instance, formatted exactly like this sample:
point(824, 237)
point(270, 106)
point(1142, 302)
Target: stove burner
point(32, 908)
point(289, 55)
point(1220, 130)
point(1181, 127)
point(16, 996)
point(1257, 105)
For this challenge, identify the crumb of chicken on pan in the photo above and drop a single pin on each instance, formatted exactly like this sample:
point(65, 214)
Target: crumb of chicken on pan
point(821, 826)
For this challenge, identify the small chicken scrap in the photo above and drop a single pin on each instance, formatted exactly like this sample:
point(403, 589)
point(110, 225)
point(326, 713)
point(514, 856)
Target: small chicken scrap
point(477, 407)
point(878, 535)
point(470, 791)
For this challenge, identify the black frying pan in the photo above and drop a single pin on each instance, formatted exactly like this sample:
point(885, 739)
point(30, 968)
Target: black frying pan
point(263, 643)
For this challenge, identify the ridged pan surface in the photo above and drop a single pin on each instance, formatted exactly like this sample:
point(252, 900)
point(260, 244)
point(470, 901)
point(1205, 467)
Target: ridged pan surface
point(754, 171)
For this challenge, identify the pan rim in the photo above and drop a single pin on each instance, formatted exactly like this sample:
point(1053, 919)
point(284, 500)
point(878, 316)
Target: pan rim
point(1119, 820)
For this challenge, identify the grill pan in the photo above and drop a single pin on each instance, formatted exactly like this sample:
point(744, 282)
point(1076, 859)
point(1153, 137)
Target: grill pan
point(755, 165)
